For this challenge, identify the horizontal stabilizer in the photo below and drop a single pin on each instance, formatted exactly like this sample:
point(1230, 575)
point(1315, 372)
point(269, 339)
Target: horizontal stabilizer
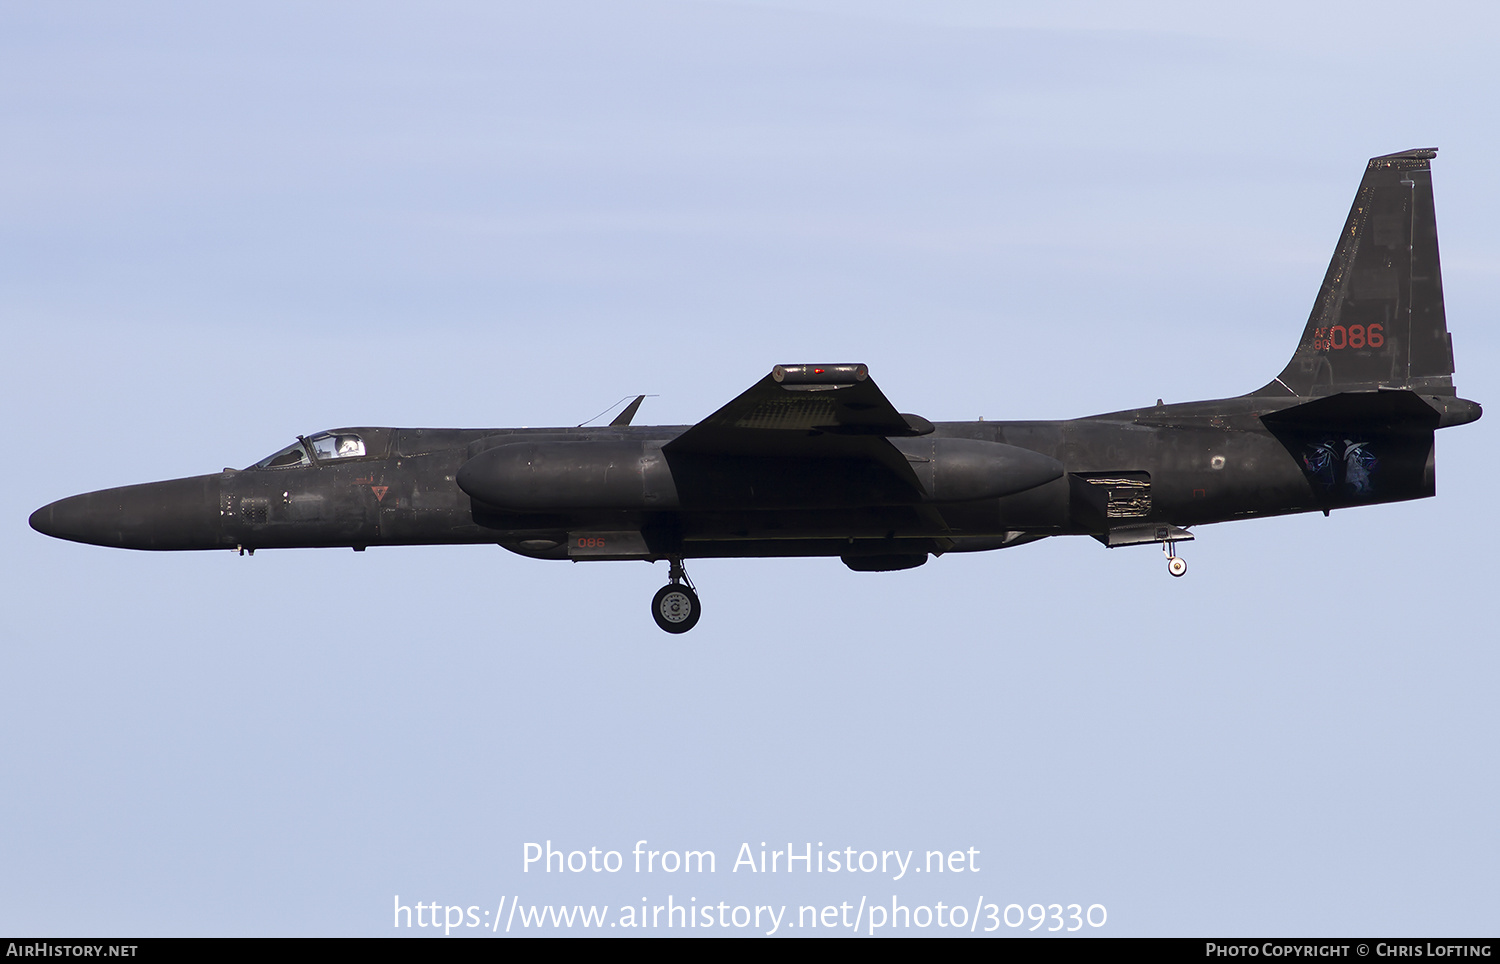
point(1369, 412)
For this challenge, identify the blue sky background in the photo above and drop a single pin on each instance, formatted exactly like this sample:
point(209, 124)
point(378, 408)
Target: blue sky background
point(219, 229)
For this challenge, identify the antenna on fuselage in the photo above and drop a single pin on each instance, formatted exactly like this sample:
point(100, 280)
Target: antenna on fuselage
point(623, 419)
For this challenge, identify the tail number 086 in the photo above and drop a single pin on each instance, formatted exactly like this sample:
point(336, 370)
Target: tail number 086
point(1354, 336)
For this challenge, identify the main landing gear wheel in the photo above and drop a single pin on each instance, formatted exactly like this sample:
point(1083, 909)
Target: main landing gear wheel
point(675, 608)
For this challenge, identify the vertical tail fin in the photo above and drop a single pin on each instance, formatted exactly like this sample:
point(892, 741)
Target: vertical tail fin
point(1378, 321)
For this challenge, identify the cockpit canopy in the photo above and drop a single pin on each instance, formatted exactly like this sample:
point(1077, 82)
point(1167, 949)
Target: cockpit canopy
point(326, 447)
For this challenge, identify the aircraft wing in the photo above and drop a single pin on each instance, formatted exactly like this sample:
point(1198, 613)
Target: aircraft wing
point(803, 411)
point(801, 429)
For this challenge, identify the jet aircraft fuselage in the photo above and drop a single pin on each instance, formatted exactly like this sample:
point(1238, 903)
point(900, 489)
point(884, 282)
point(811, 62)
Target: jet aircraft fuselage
point(813, 460)
point(1188, 464)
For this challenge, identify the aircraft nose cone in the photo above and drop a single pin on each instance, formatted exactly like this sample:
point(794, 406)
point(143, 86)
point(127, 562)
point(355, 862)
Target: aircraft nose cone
point(180, 514)
point(63, 519)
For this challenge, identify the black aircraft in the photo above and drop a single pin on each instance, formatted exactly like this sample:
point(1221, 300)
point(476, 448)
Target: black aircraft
point(813, 460)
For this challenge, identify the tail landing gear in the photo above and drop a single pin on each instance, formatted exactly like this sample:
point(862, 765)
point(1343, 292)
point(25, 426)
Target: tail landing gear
point(675, 606)
point(1176, 565)
point(1166, 535)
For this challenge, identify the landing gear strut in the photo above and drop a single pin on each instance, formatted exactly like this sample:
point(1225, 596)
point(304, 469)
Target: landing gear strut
point(1176, 565)
point(675, 606)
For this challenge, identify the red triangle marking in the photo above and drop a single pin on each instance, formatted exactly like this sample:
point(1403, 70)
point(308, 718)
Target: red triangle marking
point(379, 491)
